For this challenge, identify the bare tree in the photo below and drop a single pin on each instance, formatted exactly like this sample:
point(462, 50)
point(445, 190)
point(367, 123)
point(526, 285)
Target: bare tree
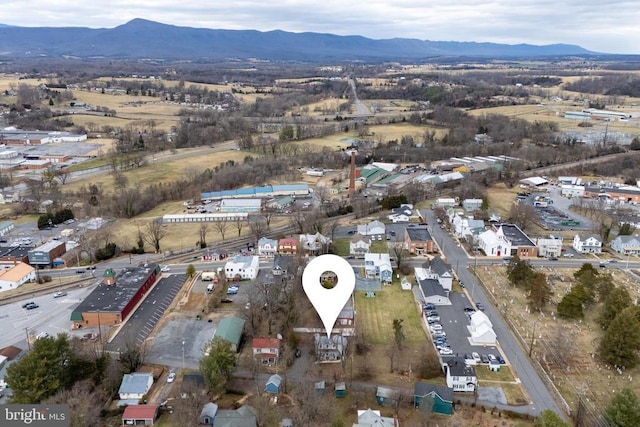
point(188, 407)
point(268, 216)
point(399, 252)
point(154, 232)
point(202, 231)
point(257, 226)
point(62, 175)
point(84, 400)
point(240, 223)
point(221, 227)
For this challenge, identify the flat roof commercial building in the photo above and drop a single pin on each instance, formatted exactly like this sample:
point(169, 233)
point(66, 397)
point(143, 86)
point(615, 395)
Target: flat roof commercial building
point(116, 296)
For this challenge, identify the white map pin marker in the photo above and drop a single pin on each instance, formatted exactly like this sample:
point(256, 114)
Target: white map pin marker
point(328, 302)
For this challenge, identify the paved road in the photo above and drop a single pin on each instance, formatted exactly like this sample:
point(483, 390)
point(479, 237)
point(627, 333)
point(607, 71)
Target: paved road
point(541, 397)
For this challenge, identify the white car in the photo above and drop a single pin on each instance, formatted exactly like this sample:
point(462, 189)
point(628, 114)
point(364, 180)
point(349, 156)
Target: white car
point(60, 294)
point(445, 351)
point(172, 377)
point(436, 327)
point(476, 357)
point(165, 269)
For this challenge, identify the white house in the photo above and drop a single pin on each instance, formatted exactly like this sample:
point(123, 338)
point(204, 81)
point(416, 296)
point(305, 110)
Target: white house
point(314, 243)
point(371, 418)
point(374, 228)
point(466, 227)
point(549, 247)
point(16, 276)
point(431, 289)
point(359, 245)
point(627, 245)
point(587, 244)
point(135, 385)
point(494, 243)
point(267, 247)
point(378, 265)
point(460, 376)
point(400, 217)
point(242, 267)
point(266, 350)
point(481, 330)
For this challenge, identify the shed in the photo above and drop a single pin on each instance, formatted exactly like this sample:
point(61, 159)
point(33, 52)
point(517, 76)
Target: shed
point(208, 413)
point(387, 396)
point(341, 389)
point(140, 415)
point(273, 384)
point(319, 388)
point(433, 398)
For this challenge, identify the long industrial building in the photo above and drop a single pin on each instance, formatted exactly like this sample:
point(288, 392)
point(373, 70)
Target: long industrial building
point(115, 297)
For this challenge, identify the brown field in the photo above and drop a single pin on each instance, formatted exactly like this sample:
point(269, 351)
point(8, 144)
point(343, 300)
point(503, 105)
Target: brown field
point(582, 371)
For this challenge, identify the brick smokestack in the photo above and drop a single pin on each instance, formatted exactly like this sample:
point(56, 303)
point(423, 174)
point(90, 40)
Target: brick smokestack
point(352, 174)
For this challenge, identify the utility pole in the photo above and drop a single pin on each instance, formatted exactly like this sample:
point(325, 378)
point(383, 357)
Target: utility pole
point(533, 339)
point(26, 331)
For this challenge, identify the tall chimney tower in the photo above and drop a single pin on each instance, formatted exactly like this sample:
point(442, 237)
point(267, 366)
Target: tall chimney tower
point(352, 174)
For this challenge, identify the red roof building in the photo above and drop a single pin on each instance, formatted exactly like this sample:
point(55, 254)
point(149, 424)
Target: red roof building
point(140, 415)
point(266, 350)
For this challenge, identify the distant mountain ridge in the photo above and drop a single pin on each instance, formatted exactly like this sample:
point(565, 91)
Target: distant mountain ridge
point(141, 38)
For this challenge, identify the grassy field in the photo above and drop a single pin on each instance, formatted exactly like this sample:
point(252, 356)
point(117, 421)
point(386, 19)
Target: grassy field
point(375, 315)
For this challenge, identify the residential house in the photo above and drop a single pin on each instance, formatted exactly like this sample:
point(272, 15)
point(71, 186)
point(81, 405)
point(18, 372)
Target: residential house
point(387, 396)
point(266, 351)
point(314, 244)
point(374, 228)
point(430, 288)
point(267, 247)
point(330, 349)
point(378, 265)
point(402, 214)
point(467, 228)
point(283, 266)
point(359, 245)
point(481, 329)
point(627, 245)
point(273, 384)
point(244, 416)
point(460, 376)
point(217, 254)
point(230, 329)
point(288, 246)
point(399, 217)
point(418, 241)
point(135, 385)
point(439, 398)
point(549, 247)
point(371, 418)
point(140, 415)
point(494, 243)
point(587, 244)
point(16, 276)
point(442, 271)
point(242, 267)
point(471, 205)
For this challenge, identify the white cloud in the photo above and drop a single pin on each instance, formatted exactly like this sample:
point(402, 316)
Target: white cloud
point(610, 27)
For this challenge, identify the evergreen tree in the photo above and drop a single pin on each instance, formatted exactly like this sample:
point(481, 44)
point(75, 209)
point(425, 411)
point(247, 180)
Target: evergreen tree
point(620, 344)
point(617, 300)
point(540, 292)
point(520, 273)
point(623, 410)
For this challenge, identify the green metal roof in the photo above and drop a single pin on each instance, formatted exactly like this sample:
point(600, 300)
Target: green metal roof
point(109, 273)
point(76, 316)
point(230, 329)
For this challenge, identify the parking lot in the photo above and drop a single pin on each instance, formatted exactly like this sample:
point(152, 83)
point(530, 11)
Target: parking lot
point(144, 319)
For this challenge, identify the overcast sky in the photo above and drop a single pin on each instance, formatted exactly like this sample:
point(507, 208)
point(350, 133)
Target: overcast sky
point(603, 26)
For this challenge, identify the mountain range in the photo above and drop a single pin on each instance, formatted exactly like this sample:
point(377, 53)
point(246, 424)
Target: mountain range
point(141, 38)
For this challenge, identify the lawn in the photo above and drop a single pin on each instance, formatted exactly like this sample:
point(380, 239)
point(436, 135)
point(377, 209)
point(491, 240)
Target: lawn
point(342, 246)
point(375, 316)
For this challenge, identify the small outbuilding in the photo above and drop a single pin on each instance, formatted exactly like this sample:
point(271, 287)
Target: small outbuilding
point(273, 384)
point(341, 389)
point(140, 415)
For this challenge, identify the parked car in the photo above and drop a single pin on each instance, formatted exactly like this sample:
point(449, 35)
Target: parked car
point(501, 360)
point(484, 358)
point(226, 300)
point(232, 290)
point(91, 267)
point(468, 309)
point(79, 271)
point(446, 351)
point(435, 327)
point(439, 334)
point(172, 377)
point(60, 294)
point(492, 359)
point(476, 357)
point(431, 313)
point(480, 306)
point(433, 319)
point(32, 306)
point(26, 304)
point(429, 307)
